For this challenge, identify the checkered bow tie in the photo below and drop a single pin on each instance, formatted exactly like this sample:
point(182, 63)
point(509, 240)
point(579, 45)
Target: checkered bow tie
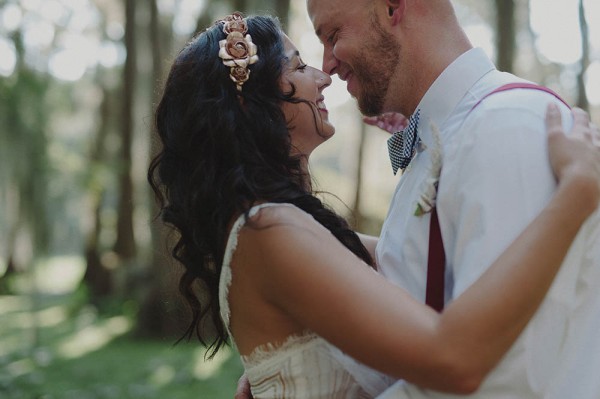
point(402, 145)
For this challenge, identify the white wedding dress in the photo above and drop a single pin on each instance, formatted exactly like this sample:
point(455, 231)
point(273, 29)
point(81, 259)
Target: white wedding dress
point(305, 366)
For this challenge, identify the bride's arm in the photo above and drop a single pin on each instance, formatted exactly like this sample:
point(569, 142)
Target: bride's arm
point(321, 285)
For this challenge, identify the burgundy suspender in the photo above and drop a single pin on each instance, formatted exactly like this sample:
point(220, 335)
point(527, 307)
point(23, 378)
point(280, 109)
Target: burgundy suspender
point(436, 261)
point(436, 265)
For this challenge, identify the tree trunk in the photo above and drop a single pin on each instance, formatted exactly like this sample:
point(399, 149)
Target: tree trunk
point(206, 17)
point(240, 5)
point(12, 208)
point(124, 245)
point(505, 35)
point(582, 99)
point(159, 314)
point(282, 10)
point(97, 277)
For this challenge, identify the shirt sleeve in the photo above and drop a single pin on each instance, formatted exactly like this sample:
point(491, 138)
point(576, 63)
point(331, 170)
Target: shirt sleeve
point(496, 179)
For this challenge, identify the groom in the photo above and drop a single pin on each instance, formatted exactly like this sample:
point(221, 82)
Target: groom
point(412, 57)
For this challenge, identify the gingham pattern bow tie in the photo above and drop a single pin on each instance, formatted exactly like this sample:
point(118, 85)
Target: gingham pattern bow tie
point(402, 145)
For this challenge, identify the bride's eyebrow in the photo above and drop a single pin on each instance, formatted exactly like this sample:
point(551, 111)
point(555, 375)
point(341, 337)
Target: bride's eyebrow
point(295, 53)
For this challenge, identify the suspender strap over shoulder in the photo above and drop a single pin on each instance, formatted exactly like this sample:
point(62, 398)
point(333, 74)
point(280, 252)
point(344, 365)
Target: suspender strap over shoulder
point(518, 85)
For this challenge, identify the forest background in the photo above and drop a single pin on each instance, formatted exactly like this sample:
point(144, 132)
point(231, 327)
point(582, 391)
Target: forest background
point(88, 307)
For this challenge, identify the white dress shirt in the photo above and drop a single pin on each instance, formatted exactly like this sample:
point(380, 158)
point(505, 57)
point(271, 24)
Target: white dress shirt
point(495, 179)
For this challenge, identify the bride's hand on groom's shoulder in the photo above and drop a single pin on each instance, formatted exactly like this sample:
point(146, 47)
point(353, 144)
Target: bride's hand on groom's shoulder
point(575, 158)
point(391, 122)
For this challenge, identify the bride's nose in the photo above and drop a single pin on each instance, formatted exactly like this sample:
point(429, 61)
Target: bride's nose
point(323, 80)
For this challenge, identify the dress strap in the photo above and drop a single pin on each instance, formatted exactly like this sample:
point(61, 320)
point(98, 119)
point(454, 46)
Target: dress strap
point(232, 241)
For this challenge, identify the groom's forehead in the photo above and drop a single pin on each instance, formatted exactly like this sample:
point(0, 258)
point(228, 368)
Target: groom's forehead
point(339, 6)
point(321, 11)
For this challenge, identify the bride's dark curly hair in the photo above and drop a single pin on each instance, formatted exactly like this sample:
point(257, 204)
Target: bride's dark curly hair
point(222, 152)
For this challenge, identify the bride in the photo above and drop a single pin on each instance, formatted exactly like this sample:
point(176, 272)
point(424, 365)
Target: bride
point(283, 275)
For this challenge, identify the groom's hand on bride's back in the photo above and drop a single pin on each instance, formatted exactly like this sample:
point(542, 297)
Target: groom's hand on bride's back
point(243, 388)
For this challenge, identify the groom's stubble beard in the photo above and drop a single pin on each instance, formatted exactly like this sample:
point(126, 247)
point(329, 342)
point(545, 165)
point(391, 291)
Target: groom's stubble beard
point(374, 68)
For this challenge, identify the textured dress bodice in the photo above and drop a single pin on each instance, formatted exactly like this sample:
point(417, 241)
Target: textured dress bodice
point(305, 366)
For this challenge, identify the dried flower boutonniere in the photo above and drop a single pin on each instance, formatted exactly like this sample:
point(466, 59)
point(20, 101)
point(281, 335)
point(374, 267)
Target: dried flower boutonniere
point(427, 198)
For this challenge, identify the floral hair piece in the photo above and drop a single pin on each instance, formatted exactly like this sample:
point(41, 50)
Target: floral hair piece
point(237, 51)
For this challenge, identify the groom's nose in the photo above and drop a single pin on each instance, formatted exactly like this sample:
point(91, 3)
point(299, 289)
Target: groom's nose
point(330, 63)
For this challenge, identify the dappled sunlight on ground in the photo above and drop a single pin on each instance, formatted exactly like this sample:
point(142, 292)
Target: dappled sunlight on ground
point(12, 303)
point(93, 337)
point(205, 369)
point(163, 375)
point(201, 369)
point(20, 367)
point(41, 318)
point(15, 320)
point(51, 316)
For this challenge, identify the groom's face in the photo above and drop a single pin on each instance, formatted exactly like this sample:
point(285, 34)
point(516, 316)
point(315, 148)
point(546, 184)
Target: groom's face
point(356, 48)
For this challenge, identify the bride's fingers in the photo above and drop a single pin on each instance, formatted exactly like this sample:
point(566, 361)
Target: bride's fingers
point(576, 152)
point(581, 116)
point(390, 121)
point(553, 121)
point(378, 121)
point(581, 125)
point(370, 120)
point(595, 134)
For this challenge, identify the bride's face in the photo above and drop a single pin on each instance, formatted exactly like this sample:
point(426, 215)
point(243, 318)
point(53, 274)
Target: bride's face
point(308, 121)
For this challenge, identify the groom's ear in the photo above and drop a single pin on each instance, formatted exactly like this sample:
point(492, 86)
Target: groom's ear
point(396, 10)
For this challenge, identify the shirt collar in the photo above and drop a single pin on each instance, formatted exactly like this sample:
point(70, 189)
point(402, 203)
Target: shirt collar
point(452, 85)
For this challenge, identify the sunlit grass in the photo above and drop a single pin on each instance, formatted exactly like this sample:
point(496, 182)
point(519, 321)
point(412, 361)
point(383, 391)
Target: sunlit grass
point(90, 356)
point(93, 337)
point(204, 370)
point(56, 347)
point(12, 303)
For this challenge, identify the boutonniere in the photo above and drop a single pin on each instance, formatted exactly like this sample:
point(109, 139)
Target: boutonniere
point(428, 192)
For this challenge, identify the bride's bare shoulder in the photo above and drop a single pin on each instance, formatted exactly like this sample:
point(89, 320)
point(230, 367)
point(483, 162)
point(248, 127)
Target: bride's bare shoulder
point(280, 225)
point(282, 215)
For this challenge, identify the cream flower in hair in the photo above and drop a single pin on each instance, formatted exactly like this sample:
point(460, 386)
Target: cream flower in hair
point(238, 50)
